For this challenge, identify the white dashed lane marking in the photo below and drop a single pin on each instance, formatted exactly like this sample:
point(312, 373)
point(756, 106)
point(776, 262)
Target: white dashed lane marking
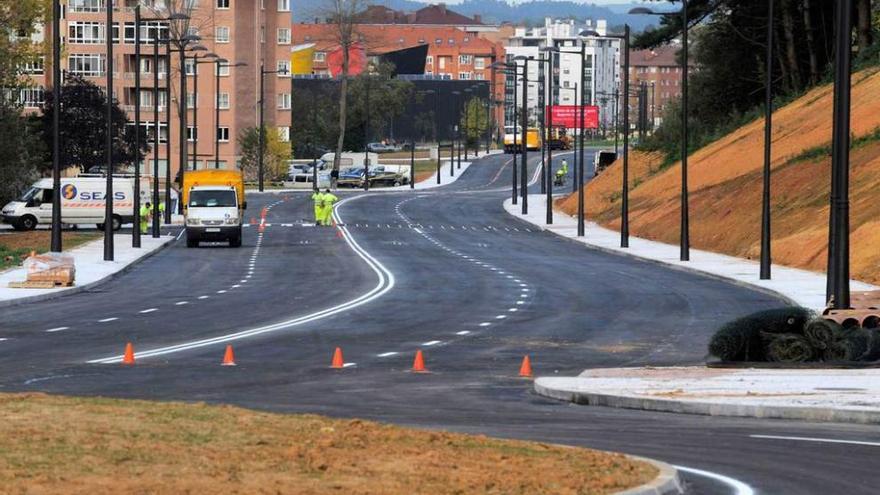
point(57, 329)
point(181, 303)
point(150, 310)
point(107, 320)
point(432, 342)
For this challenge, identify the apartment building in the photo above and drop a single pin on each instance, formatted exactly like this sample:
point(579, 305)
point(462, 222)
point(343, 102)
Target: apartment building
point(661, 71)
point(600, 66)
point(247, 33)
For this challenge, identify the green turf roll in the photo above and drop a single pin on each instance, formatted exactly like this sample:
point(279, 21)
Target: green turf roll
point(873, 352)
point(821, 333)
point(743, 339)
point(789, 348)
point(850, 344)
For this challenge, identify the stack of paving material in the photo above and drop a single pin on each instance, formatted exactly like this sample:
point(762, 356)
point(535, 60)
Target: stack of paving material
point(793, 335)
point(47, 271)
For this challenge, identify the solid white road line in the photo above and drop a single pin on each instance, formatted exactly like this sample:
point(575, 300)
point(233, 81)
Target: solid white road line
point(819, 440)
point(384, 284)
point(148, 311)
point(739, 488)
point(57, 329)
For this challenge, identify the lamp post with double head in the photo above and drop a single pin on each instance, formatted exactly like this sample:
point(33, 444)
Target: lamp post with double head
point(262, 129)
point(684, 254)
point(198, 60)
point(512, 69)
point(523, 177)
point(547, 172)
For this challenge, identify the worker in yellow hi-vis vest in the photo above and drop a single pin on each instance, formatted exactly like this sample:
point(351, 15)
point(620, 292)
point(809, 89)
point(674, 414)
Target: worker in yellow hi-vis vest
point(329, 200)
point(318, 199)
point(145, 214)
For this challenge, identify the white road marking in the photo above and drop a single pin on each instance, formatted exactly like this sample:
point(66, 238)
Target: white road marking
point(500, 317)
point(432, 342)
point(520, 302)
point(150, 310)
point(485, 324)
point(2, 339)
point(385, 283)
point(463, 332)
point(819, 440)
point(242, 281)
point(106, 320)
point(204, 297)
point(221, 292)
point(739, 487)
point(236, 286)
point(513, 310)
point(387, 354)
point(57, 329)
point(348, 365)
point(181, 303)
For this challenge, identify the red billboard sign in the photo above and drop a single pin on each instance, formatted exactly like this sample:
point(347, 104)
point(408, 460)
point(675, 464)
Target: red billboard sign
point(568, 116)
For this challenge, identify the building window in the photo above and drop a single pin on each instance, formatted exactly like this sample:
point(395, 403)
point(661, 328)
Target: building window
point(33, 67)
point(283, 68)
point(86, 5)
point(223, 101)
point(87, 65)
point(479, 76)
point(262, 34)
point(319, 57)
point(283, 36)
point(479, 63)
point(192, 134)
point(221, 69)
point(190, 100)
point(146, 98)
point(284, 134)
point(223, 134)
point(283, 5)
point(221, 34)
point(31, 97)
point(223, 4)
point(465, 59)
point(438, 41)
point(283, 101)
point(189, 66)
point(429, 60)
point(85, 33)
point(451, 41)
point(192, 31)
point(464, 76)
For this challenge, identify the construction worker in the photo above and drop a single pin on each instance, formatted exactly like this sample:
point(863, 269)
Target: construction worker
point(318, 199)
point(329, 200)
point(564, 167)
point(561, 173)
point(145, 215)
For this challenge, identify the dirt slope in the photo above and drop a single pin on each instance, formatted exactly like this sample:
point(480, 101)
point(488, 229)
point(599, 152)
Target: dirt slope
point(725, 187)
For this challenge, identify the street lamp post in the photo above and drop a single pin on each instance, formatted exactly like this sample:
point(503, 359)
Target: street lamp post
point(156, 131)
point(766, 260)
point(136, 205)
point(108, 151)
point(195, 134)
point(262, 145)
point(221, 62)
point(547, 173)
point(523, 180)
point(685, 228)
point(56, 126)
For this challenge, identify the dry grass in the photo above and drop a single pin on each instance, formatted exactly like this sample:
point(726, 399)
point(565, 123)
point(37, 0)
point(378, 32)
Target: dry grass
point(57, 444)
point(725, 186)
point(16, 246)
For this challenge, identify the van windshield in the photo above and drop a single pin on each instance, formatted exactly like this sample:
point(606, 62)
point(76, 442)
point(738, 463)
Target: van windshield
point(202, 199)
point(30, 194)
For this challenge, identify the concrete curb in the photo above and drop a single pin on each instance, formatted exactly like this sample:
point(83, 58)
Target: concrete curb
point(80, 288)
point(667, 481)
point(817, 414)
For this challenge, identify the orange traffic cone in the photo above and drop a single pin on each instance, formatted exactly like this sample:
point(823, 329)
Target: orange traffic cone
point(525, 370)
point(338, 362)
point(419, 363)
point(228, 357)
point(128, 357)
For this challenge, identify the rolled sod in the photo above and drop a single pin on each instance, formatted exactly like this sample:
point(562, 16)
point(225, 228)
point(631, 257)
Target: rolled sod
point(820, 332)
point(850, 344)
point(745, 338)
point(789, 348)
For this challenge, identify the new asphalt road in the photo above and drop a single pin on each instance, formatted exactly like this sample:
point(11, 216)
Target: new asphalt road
point(450, 273)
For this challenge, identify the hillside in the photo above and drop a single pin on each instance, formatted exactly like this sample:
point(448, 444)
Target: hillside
point(725, 187)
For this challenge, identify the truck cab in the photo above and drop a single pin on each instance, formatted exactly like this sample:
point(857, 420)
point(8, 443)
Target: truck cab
point(214, 206)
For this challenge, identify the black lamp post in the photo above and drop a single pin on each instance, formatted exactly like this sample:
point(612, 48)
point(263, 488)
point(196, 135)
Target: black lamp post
point(467, 120)
point(524, 170)
point(108, 151)
point(220, 62)
point(838, 270)
point(136, 204)
point(685, 228)
point(263, 73)
point(56, 127)
point(766, 260)
point(197, 60)
point(182, 45)
point(512, 69)
point(547, 173)
point(624, 188)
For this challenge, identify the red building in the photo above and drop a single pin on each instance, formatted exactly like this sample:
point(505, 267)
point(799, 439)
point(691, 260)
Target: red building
point(661, 71)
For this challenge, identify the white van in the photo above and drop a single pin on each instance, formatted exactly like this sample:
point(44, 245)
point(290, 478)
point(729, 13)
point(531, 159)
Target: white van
point(82, 202)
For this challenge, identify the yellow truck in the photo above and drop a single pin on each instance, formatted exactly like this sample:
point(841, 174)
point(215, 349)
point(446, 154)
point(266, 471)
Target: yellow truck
point(512, 137)
point(214, 205)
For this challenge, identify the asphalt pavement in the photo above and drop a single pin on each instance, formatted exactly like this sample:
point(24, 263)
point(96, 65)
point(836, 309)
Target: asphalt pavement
point(447, 272)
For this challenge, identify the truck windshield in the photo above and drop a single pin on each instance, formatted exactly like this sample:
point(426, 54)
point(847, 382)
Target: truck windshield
point(209, 199)
point(29, 194)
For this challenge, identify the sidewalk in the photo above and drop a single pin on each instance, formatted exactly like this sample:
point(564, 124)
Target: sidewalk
point(801, 287)
point(835, 395)
point(91, 268)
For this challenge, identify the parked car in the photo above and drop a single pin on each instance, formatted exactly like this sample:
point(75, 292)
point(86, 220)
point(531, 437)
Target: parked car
point(381, 148)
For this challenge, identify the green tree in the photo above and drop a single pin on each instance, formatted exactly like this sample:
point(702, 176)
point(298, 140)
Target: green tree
point(474, 121)
point(20, 152)
point(276, 154)
point(84, 127)
point(19, 21)
point(378, 98)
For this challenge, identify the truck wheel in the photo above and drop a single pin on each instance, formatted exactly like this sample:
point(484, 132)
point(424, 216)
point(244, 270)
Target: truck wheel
point(192, 243)
point(235, 241)
point(27, 222)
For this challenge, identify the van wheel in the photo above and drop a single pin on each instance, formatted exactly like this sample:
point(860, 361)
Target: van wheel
point(27, 222)
point(235, 241)
point(192, 243)
point(116, 223)
point(397, 183)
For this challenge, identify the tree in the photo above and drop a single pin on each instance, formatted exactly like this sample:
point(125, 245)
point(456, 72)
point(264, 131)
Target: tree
point(84, 127)
point(276, 154)
point(474, 121)
point(19, 21)
point(387, 99)
point(20, 150)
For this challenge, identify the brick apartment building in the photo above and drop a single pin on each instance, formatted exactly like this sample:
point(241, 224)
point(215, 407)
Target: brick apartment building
point(660, 70)
point(453, 54)
point(240, 31)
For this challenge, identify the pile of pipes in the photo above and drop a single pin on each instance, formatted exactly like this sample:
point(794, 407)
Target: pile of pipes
point(793, 335)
